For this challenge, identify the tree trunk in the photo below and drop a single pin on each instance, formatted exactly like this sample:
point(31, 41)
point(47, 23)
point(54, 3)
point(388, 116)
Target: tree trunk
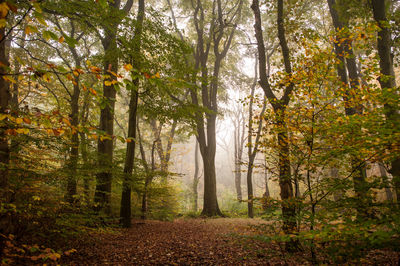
point(105, 147)
point(84, 149)
point(85, 160)
point(252, 148)
point(385, 180)
point(285, 182)
point(210, 207)
point(5, 97)
point(125, 211)
point(387, 82)
point(238, 174)
point(74, 152)
point(196, 177)
point(250, 194)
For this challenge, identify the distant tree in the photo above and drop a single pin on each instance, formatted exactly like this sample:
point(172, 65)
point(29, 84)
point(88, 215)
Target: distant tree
point(216, 34)
point(239, 137)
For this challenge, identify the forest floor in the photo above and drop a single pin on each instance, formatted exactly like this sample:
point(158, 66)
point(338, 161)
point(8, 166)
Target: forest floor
point(188, 242)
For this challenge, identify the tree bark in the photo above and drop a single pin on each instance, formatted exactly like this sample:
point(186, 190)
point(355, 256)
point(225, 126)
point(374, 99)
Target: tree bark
point(74, 116)
point(387, 82)
point(125, 211)
point(238, 148)
point(74, 152)
point(196, 177)
point(105, 148)
point(385, 180)
point(5, 98)
point(84, 149)
point(266, 180)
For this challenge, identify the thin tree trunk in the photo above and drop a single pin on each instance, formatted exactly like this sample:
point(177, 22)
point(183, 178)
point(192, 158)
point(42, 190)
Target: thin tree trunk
point(125, 212)
point(267, 194)
point(149, 172)
point(252, 148)
point(238, 174)
point(196, 177)
point(84, 149)
point(85, 160)
point(74, 116)
point(74, 152)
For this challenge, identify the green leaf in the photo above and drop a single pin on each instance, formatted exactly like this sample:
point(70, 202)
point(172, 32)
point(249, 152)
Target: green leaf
point(47, 35)
point(70, 41)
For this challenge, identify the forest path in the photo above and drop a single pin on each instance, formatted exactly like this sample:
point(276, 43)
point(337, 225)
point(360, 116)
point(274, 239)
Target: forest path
point(182, 242)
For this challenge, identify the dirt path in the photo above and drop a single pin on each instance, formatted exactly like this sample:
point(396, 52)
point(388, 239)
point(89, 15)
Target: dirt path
point(182, 242)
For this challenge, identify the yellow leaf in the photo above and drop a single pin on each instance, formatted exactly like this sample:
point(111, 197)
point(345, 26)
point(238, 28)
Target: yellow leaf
point(3, 23)
point(4, 10)
point(3, 116)
point(36, 198)
point(128, 67)
point(76, 73)
point(54, 256)
point(9, 79)
point(61, 39)
point(20, 130)
point(19, 120)
point(108, 83)
point(46, 78)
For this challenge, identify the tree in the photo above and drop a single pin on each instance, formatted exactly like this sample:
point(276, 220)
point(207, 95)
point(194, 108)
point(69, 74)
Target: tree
point(133, 104)
point(5, 98)
point(387, 81)
point(239, 124)
point(110, 65)
point(348, 74)
point(220, 34)
point(279, 108)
